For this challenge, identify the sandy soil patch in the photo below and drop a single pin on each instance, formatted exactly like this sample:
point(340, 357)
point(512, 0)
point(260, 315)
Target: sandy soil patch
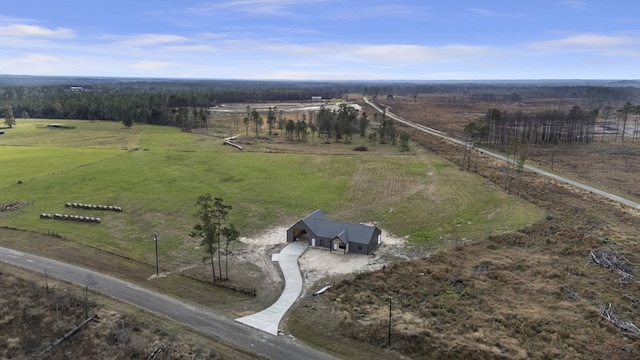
point(319, 263)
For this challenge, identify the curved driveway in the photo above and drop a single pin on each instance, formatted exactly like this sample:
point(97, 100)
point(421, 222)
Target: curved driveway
point(268, 319)
point(242, 337)
point(563, 179)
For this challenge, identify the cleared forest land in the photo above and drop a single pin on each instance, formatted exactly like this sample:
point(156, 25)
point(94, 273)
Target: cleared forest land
point(539, 292)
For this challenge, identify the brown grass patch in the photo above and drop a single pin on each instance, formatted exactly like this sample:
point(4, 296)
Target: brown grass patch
point(518, 295)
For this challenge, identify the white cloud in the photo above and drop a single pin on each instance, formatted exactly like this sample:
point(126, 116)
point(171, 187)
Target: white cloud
point(378, 54)
point(417, 53)
point(142, 40)
point(585, 42)
point(33, 31)
point(200, 48)
point(254, 7)
point(39, 64)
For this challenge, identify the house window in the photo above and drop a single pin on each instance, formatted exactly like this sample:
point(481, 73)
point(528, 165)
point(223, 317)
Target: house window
point(359, 247)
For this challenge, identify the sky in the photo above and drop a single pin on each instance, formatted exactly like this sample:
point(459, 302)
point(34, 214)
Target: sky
point(323, 39)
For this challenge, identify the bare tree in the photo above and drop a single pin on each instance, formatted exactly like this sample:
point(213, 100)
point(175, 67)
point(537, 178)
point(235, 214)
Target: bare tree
point(624, 112)
point(606, 113)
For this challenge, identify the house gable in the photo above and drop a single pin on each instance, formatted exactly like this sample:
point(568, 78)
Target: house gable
point(320, 231)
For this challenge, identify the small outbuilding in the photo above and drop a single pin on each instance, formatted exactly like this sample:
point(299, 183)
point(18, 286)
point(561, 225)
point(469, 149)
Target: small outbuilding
point(319, 231)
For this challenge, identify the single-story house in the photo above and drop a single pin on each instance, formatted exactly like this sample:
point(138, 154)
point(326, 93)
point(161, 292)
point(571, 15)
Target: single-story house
point(319, 231)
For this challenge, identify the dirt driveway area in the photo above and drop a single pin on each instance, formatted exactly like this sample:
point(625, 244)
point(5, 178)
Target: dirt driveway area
point(319, 263)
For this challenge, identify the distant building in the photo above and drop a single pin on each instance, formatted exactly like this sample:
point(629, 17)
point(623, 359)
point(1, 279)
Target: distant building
point(316, 98)
point(76, 88)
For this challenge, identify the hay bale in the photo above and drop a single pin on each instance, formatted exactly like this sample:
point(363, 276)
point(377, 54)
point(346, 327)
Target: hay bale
point(67, 205)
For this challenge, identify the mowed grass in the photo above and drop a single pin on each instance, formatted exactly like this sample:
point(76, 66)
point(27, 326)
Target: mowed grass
point(86, 135)
point(414, 195)
point(23, 164)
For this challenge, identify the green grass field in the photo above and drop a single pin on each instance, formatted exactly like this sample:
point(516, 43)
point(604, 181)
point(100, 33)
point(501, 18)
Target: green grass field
point(156, 173)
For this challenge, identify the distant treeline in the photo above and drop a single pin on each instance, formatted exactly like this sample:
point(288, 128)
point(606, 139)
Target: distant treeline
point(158, 101)
point(146, 102)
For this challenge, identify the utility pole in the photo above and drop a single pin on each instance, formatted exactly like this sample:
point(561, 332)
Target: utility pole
point(389, 344)
point(155, 239)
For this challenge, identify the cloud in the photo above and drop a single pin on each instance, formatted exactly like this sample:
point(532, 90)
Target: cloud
point(585, 42)
point(417, 53)
point(33, 31)
point(253, 7)
point(382, 11)
point(201, 48)
point(148, 39)
point(390, 53)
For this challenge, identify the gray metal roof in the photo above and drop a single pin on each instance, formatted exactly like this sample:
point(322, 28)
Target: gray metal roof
point(320, 224)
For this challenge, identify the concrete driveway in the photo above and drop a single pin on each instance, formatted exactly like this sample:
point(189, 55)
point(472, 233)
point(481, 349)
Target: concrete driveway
point(268, 319)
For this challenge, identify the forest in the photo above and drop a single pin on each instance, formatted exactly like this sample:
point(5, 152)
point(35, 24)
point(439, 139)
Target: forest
point(165, 101)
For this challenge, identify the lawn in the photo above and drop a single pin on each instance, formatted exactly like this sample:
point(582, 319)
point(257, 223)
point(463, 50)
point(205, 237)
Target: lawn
point(157, 180)
point(26, 163)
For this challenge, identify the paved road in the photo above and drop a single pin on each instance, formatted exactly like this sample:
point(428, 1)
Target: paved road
point(268, 319)
point(563, 179)
point(241, 336)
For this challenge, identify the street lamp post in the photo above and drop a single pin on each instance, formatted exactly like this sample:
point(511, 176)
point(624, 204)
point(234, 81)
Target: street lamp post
point(155, 239)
